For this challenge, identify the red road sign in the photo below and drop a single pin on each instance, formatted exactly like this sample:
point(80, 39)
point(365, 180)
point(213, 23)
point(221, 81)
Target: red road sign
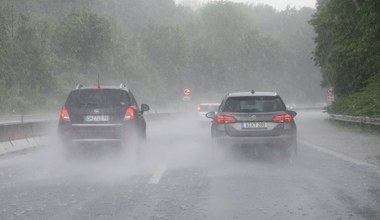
point(186, 92)
point(330, 91)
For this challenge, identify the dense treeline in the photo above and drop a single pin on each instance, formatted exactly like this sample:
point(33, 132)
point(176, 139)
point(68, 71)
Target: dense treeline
point(158, 47)
point(348, 52)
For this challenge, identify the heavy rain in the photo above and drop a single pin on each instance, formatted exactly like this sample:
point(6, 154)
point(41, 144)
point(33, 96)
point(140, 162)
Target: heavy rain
point(77, 140)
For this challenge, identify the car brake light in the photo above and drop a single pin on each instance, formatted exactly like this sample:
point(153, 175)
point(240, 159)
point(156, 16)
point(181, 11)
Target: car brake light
point(282, 118)
point(130, 114)
point(220, 119)
point(64, 114)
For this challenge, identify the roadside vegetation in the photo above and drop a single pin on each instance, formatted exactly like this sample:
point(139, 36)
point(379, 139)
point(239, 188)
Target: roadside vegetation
point(348, 52)
point(363, 103)
point(156, 46)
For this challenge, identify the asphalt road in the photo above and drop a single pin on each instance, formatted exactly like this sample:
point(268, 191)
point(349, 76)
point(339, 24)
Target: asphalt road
point(179, 176)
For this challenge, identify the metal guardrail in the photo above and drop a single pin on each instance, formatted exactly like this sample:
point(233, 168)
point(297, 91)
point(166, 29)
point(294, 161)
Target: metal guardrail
point(307, 108)
point(18, 134)
point(11, 132)
point(158, 116)
point(356, 119)
point(17, 127)
point(19, 118)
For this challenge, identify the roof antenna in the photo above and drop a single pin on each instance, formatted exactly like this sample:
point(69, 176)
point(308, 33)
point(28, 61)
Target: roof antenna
point(98, 81)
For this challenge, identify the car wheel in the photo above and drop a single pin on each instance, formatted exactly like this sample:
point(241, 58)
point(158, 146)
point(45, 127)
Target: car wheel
point(67, 149)
point(290, 152)
point(143, 135)
point(135, 145)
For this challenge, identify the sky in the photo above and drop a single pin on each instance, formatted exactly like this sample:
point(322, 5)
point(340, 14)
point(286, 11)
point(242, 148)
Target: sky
point(277, 4)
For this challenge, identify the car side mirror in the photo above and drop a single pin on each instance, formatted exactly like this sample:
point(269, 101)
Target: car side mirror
point(210, 115)
point(144, 108)
point(293, 113)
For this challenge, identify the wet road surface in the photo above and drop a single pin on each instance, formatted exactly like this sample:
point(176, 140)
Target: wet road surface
point(179, 176)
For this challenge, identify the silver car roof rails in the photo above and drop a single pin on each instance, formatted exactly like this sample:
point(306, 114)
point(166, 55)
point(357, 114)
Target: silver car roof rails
point(124, 86)
point(79, 86)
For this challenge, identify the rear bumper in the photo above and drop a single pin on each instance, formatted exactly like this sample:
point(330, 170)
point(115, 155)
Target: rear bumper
point(94, 133)
point(280, 140)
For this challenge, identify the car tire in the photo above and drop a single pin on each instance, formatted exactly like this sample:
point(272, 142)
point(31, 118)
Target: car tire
point(289, 153)
point(143, 135)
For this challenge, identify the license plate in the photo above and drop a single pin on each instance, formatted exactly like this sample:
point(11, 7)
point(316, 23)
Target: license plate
point(253, 125)
point(96, 118)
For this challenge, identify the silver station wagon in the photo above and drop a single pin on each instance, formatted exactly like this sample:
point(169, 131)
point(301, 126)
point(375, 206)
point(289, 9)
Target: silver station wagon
point(255, 119)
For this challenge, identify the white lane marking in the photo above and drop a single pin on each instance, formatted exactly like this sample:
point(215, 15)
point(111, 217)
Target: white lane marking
point(155, 179)
point(337, 155)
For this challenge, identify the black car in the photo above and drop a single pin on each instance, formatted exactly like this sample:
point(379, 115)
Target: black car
point(101, 115)
point(255, 119)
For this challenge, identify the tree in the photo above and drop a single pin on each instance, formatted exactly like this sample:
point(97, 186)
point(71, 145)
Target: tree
point(84, 39)
point(342, 48)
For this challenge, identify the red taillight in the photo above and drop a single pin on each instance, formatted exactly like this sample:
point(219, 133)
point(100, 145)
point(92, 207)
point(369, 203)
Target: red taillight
point(220, 119)
point(130, 114)
point(64, 114)
point(199, 108)
point(282, 118)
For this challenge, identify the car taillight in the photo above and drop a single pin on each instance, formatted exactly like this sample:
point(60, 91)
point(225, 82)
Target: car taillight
point(282, 118)
point(130, 114)
point(64, 114)
point(199, 108)
point(220, 119)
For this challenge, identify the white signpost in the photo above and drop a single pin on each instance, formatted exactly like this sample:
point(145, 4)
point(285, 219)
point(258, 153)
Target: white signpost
point(330, 95)
point(186, 95)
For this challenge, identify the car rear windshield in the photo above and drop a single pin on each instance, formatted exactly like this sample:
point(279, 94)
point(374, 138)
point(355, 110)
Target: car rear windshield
point(254, 104)
point(208, 108)
point(98, 98)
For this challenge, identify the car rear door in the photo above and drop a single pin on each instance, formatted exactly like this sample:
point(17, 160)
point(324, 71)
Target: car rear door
point(97, 106)
point(254, 116)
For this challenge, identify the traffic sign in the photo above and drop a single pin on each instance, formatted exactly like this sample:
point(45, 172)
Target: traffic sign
point(330, 91)
point(186, 92)
point(330, 95)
